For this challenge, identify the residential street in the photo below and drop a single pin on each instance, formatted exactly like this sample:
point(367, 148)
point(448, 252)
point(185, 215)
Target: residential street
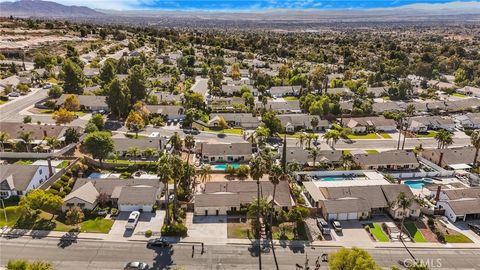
point(93, 254)
point(9, 112)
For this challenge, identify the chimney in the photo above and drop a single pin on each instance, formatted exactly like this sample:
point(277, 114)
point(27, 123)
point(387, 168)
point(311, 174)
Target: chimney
point(440, 160)
point(50, 169)
point(437, 196)
point(44, 133)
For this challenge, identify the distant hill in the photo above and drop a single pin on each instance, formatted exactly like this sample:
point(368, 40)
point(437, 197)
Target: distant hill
point(38, 8)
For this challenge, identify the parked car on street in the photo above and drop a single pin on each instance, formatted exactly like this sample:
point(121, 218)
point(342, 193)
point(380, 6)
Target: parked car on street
point(132, 220)
point(323, 225)
point(337, 226)
point(158, 242)
point(136, 266)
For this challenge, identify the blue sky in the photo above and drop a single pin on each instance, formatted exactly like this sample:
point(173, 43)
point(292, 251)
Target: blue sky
point(246, 4)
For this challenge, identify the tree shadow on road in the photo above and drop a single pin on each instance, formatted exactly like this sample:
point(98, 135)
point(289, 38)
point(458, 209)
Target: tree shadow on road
point(163, 258)
point(67, 239)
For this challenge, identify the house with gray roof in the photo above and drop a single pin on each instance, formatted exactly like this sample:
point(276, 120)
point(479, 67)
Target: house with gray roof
point(221, 198)
point(17, 180)
point(281, 107)
point(301, 121)
point(469, 120)
point(453, 158)
point(148, 148)
point(389, 160)
point(244, 120)
point(126, 194)
point(170, 112)
point(234, 90)
point(424, 123)
point(303, 156)
point(87, 103)
point(37, 132)
point(282, 91)
point(369, 124)
point(224, 152)
point(460, 204)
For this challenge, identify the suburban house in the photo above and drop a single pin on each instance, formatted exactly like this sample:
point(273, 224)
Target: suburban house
point(454, 158)
point(165, 98)
point(170, 112)
point(424, 123)
point(359, 202)
point(280, 107)
point(389, 160)
point(224, 152)
point(281, 91)
point(303, 157)
point(226, 103)
point(17, 180)
point(234, 90)
point(126, 194)
point(38, 132)
point(123, 147)
point(470, 91)
point(91, 72)
point(460, 204)
point(87, 103)
point(342, 91)
point(469, 120)
point(369, 124)
point(221, 198)
point(296, 122)
point(244, 120)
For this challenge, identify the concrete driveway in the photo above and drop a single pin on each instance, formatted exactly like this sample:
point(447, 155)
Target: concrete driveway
point(147, 221)
point(352, 231)
point(207, 227)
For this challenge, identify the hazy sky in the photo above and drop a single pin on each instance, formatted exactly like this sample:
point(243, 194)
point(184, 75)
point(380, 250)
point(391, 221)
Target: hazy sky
point(244, 4)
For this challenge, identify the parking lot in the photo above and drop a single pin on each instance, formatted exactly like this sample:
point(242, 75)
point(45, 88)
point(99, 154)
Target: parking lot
point(147, 221)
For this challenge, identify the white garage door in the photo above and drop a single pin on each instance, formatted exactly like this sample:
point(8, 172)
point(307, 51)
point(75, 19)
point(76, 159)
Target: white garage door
point(332, 216)
point(342, 216)
point(353, 215)
point(129, 208)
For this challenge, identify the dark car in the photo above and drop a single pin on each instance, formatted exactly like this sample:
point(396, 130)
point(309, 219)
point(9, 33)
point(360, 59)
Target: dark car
point(221, 135)
point(474, 227)
point(158, 242)
point(136, 266)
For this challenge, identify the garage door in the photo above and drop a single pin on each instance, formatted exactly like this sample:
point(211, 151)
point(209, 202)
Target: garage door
point(332, 216)
point(342, 216)
point(353, 215)
point(129, 208)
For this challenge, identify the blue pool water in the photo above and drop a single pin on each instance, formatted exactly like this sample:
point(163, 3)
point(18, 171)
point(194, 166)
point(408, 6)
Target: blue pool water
point(417, 184)
point(333, 178)
point(222, 167)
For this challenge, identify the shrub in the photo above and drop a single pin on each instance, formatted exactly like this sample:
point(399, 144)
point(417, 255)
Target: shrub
point(56, 186)
point(53, 191)
point(62, 194)
point(114, 211)
point(65, 178)
point(27, 119)
point(243, 171)
point(430, 222)
point(125, 175)
point(148, 233)
point(174, 229)
point(67, 189)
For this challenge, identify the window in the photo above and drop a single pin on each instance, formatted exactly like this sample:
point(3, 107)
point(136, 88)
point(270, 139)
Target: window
point(4, 193)
point(19, 193)
point(40, 171)
point(81, 205)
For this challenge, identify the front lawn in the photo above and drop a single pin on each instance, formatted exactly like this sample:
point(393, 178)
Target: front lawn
point(23, 162)
point(3, 101)
point(457, 238)
point(97, 225)
point(459, 95)
point(369, 136)
point(63, 164)
point(377, 231)
point(13, 214)
point(415, 233)
point(237, 229)
point(237, 131)
point(385, 135)
point(429, 134)
point(371, 151)
point(289, 231)
point(290, 98)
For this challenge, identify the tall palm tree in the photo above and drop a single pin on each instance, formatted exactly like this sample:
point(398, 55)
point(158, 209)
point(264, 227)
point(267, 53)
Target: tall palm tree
point(332, 136)
point(257, 168)
point(4, 137)
point(134, 152)
point(403, 202)
point(301, 139)
point(274, 178)
point(409, 112)
point(177, 143)
point(444, 138)
point(189, 143)
point(309, 138)
point(164, 172)
point(313, 153)
point(205, 173)
point(178, 173)
point(27, 138)
point(475, 140)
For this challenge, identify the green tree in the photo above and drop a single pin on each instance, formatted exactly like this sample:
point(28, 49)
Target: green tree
point(444, 138)
point(404, 202)
point(176, 142)
point(136, 83)
point(52, 142)
point(4, 137)
point(164, 171)
point(205, 173)
point(99, 144)
point(272, 122)
point(257, 169)
point(314, 153)
point(27, 138)
point(40, 199)
point(55, 92)
point(97, 120)
point(63, 116)
point(332, 136)
point(74, 216)
point(71, 135)
point(351, 259)
point(475, 140)
point(107, 72)
point(118, 98)
point(73, 78)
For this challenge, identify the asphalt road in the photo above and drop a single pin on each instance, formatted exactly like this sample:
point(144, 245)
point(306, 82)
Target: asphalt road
point(93, 254)
point(9, 112)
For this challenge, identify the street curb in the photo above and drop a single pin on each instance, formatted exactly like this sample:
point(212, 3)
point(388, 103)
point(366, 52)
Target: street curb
point(7, 236)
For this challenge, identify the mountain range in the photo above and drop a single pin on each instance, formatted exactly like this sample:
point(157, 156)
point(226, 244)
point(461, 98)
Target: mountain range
point(38, 8)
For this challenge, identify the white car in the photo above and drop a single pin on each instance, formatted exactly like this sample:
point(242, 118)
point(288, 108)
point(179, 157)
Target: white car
point(132, 220)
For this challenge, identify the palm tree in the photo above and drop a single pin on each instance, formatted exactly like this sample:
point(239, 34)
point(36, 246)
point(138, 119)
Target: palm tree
point(4, 137)
point(409, 111)
point(332, 136)
point(189, 143)
point(403, 202)
point(257, 169)
point(205, 173)
point(346, 160)
point(164, 172)
point(475, 140)
point(134, 152)
point(150, 152)
point(313, 153)
point(309, 138)
point(27, 138)
point(274, 178)
point(52, 142)
point(301, 139)
point(444, 138)
point(178, 173)
point(176, 142)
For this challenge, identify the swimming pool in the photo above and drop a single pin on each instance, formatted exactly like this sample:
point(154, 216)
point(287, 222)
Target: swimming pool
point(333, 178)
point(418, 183)
point(223, 167)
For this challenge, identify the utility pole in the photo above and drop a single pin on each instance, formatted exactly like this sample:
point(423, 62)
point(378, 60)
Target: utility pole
point(4, 211)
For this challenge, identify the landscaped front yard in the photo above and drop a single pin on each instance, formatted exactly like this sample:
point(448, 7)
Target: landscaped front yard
point(377, 232)
point(371, 151)
point(369, 136)
point(385, 135)
point(44, 221)
point(237, 131)
point(237, 229)
point(429, 134)
point(415, 233)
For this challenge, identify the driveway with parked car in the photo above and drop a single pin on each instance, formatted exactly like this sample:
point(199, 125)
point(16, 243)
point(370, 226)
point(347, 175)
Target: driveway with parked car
point(147, 221)
point(352, 231)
